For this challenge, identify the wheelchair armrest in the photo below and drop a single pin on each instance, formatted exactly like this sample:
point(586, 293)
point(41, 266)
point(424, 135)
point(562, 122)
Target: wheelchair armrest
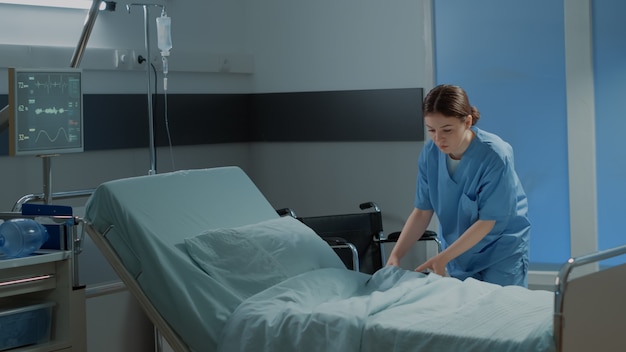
point(338, 242)
point(335, 241)
point(393, 237)
point(286, 211)
point(368, 205)
point(428, 235)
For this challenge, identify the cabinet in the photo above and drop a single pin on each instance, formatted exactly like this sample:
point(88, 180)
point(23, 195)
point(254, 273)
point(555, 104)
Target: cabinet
point(46, 276)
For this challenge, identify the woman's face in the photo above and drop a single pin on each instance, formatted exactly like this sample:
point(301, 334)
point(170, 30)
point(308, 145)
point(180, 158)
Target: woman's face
point(449, 133)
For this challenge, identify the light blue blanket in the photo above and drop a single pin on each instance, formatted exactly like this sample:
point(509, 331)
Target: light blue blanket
point(394, 310)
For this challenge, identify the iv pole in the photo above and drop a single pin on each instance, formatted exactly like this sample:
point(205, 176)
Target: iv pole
point(152, 170)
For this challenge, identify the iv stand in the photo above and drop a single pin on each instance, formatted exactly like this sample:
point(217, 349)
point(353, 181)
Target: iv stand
point(152, 170)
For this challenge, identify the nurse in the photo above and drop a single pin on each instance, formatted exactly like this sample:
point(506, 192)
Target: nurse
point(466, 176)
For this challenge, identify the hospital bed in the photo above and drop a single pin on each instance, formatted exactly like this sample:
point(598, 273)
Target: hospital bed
point(217, 269)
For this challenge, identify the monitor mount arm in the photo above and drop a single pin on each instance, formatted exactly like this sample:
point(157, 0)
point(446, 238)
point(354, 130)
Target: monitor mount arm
point(76, 57)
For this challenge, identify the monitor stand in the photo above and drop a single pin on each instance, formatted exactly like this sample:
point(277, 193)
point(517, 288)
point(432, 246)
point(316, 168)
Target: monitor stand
point(47, 176)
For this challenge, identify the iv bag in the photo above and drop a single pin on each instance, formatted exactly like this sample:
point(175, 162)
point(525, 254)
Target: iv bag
point(164, 34)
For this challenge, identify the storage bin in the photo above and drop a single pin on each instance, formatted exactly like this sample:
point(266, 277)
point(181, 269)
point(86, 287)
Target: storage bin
point(22, 325)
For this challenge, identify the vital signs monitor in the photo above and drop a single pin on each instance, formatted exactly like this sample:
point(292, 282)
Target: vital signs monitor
point(45, 111)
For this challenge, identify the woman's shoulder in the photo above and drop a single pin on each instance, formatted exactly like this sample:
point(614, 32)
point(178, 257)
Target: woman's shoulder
point(491, 142)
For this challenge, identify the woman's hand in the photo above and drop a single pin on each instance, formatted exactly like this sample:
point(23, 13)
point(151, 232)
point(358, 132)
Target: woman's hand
point(393, 261)
point(411, 232)
point(436, 264)
point(468, 239)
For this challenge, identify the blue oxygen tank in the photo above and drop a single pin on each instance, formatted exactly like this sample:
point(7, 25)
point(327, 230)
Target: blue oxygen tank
point(21, 237)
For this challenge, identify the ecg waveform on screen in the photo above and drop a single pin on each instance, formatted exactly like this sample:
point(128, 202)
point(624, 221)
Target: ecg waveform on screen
point(51, 83)
point(48, 83)
point(61, 133)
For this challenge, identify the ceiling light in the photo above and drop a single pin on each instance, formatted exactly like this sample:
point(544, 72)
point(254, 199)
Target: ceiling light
point(71, 4)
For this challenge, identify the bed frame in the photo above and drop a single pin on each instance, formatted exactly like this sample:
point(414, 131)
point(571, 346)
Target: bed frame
point(161, 326)
point(589, 310)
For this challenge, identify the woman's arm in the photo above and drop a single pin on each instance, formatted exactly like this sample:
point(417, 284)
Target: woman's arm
point(468, 239)
point(412, 230)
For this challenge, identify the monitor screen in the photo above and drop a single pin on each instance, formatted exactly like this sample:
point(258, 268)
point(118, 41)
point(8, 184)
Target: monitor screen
point(45, 111)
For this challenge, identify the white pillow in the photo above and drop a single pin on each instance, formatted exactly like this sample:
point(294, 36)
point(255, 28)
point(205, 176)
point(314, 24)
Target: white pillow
point(251, 258)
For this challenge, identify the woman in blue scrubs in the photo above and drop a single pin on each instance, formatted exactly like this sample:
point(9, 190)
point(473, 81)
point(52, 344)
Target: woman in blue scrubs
point(466, 176)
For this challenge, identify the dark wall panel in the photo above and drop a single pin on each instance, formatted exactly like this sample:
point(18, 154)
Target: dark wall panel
point(356, 115)
point(204, 118)
point(120, 121)
point(115, 121)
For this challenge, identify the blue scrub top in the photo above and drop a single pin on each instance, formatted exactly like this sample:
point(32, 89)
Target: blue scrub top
point(484, 186)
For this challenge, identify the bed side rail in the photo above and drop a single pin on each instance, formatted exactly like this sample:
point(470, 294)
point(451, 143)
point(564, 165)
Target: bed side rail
point(34, 197)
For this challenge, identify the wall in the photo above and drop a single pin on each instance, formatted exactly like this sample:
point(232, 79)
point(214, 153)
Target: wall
point(555, 69)
point(51, 35)
point(524, 67)
point(310, 46)
point(390, 54)
point(609, 67)
point(516, 89)
point(330, 45)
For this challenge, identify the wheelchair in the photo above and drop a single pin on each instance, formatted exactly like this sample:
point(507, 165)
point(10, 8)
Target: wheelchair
point(359, 239)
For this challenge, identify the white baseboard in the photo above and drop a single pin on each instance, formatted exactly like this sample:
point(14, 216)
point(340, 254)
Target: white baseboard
point(542, 280)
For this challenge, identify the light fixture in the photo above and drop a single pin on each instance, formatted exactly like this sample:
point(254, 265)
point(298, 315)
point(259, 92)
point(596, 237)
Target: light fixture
point(70, 4)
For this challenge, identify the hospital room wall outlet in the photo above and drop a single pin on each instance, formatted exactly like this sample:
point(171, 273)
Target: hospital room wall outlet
point(224, 63)
point(126, 59)
point(218, 63)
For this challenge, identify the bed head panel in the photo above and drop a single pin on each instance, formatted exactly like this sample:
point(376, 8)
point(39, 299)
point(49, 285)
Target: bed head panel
point(181, 203)
point(151, 216)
